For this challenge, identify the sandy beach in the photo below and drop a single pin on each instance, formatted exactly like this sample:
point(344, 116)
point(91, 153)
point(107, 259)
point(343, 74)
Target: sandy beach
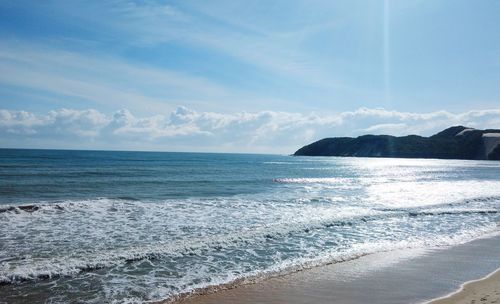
point(485, 291)
point(406, 276)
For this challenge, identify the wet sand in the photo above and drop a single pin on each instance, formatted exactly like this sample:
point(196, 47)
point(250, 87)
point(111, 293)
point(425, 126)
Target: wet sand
point(405, 276)
point(483, 291)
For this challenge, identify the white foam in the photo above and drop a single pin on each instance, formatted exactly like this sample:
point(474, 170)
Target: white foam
point(326, 180)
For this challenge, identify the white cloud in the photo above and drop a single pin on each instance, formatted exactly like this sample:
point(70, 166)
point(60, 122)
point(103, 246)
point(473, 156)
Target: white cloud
point(186, 129)
point(389, 128)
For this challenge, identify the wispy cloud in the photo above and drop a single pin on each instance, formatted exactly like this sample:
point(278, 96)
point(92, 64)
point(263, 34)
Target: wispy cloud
point(186, 129)
point(215, 26)
point(103, 80)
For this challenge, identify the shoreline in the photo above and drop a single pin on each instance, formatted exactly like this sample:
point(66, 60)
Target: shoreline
point(400, 276)
point(485, 290)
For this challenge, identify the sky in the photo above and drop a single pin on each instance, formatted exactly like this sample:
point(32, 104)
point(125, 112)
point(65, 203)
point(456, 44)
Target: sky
point(242, 76)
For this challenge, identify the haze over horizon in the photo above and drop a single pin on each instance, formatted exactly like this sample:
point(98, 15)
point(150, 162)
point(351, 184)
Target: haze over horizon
point(240, 76)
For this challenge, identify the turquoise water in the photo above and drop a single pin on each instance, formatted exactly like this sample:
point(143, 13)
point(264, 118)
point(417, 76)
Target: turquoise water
point(138, 226)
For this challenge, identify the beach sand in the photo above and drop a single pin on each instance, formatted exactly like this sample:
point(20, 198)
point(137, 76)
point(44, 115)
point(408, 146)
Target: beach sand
point(483, 291)
point(405, 276)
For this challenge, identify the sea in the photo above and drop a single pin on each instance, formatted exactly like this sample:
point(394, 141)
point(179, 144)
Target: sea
point(136, 227)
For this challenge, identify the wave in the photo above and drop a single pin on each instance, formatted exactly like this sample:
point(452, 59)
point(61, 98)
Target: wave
point(315, 180)
point(47, 268)
point(327, 258)
point(452, 212)
point(18, 269)
point(460, 205)
point(28, 208)
point(75, 266)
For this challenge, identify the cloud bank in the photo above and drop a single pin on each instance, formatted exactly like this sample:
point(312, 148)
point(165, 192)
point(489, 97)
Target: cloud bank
point(188, 130)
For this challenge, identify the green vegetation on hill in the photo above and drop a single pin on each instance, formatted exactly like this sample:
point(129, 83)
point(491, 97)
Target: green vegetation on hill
point(453, 143)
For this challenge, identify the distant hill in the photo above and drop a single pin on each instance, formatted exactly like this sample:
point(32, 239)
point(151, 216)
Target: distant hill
point(457, 142)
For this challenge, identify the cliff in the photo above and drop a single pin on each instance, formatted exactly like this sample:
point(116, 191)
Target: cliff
point(453, 143)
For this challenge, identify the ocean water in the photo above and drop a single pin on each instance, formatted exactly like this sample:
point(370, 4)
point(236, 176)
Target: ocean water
point(132, 227)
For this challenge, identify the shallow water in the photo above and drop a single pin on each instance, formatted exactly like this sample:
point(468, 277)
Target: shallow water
point(399, 276)
point(137, 226)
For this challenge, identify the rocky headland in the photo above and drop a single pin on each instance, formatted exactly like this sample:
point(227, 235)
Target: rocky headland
point(456, 142)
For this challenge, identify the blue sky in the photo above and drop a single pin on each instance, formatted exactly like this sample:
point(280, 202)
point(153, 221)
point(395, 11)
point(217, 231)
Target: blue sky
point(242, 76)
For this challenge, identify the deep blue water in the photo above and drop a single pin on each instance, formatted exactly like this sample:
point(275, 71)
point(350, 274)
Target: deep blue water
point(137, 226)
point(34, 175)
